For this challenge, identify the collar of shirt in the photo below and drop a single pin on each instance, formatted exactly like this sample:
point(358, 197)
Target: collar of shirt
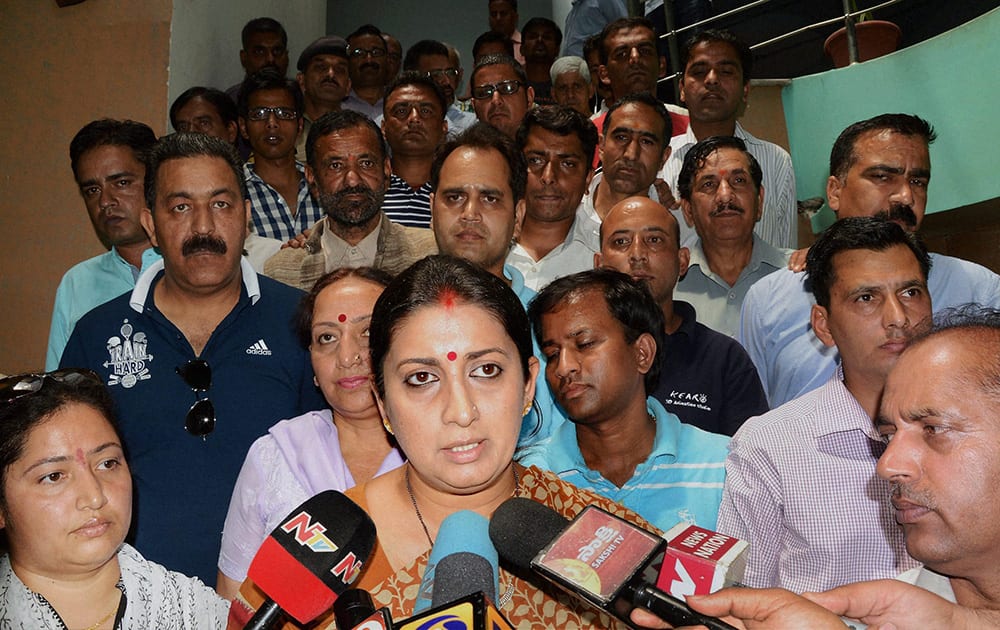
point(339, 253)
point(398, 183)
point(849, 414)
point(763, 253)
point(140, 294)
point(564, 451)
point(149, 256)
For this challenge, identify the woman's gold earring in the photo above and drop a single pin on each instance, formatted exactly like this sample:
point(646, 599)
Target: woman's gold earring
point(385, 423)
point(526, 410)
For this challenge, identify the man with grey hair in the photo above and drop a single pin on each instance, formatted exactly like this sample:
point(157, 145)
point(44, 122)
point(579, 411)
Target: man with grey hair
point(181, 351)
point(571, 86)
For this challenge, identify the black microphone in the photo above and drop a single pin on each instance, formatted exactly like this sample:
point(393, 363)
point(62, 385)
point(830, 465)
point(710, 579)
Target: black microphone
point(598, 557)
point(463, 594)
point(315, 554)
point(355, 610)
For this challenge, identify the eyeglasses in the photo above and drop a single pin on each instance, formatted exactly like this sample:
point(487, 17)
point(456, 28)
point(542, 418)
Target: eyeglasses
point(200, 418)
point(505, 88)
point(451, 73)
point(281, 113)
point(21, 385)
point(366, 52)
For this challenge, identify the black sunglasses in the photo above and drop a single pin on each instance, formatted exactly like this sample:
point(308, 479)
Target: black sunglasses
point(21, 385)
point(200, 418)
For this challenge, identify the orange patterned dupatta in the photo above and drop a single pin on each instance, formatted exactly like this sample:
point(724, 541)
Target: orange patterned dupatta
point(529, 606)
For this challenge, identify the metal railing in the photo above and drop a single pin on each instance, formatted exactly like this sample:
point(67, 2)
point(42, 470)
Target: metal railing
point(673, 35)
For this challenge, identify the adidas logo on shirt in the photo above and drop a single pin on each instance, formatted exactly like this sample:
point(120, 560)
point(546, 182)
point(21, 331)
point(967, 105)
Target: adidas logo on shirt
point(259, 348)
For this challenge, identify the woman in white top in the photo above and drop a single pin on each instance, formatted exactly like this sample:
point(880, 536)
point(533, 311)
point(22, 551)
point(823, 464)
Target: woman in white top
point(65, 507)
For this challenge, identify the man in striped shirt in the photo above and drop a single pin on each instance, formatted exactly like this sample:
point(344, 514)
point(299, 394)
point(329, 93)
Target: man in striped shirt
point(715, 88)
point(414, 125)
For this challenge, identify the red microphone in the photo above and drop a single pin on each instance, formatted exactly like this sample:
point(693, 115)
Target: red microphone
point(315, 554)
point(699, 561)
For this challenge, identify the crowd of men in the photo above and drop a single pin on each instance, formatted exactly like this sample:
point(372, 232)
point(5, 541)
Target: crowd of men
point(824, 415)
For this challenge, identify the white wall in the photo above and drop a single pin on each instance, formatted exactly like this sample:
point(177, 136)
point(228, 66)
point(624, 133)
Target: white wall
point(205, 37)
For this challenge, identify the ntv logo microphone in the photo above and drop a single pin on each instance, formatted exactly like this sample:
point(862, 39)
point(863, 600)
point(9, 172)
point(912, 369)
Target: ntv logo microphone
point(312, 535)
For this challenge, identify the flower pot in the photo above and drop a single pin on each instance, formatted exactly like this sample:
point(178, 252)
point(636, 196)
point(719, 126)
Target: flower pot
point(875, 38)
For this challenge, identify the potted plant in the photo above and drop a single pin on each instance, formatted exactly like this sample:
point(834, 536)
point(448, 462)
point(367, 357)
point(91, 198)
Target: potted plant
point(875, 38)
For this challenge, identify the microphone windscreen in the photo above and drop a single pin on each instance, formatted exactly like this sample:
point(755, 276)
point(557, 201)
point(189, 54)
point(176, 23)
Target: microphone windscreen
point(352, 607)
point(460, 574)
point(462, 531)
point(314, 554)
point(520, 528)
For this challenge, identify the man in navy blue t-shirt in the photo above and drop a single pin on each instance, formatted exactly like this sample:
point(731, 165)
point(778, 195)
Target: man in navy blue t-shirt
point(200, 357)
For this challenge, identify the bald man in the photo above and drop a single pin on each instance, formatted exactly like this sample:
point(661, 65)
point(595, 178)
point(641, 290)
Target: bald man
point(707, 378)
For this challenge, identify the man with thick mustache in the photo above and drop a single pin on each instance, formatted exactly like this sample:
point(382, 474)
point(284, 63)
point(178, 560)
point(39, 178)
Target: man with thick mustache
point(715, 87)
point(878, 166)
point(200, 357)
point(348, 172)
point(800, 479)
point(722, 196)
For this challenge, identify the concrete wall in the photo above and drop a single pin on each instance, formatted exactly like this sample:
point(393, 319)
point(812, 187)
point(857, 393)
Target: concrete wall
point(205, 37)
point(64, 68)
point(948, 80)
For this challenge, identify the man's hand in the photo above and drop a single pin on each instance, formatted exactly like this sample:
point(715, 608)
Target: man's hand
point(297, 241)
point(665, 194)
point(754, 609)
point(895, 605)
point(797, 261)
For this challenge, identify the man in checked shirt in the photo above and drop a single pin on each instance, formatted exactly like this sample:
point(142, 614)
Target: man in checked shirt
point(800, 479)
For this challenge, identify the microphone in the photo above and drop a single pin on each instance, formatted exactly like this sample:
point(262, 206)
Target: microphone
point(462, 532)
point(598, 557)
point(699, 561)
point(464, 584)
point(355, 610)
point(311, 557)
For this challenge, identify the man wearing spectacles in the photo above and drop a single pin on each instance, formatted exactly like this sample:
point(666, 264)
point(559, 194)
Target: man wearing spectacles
point(324, 78)
point(368, 64)
point(200, 357)
point(433, 59)
point(500, 93)
point(271, 120)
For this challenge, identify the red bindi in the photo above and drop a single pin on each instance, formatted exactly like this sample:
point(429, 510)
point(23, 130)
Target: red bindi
point(341, 318)
point(452, 355)
point(80, 459)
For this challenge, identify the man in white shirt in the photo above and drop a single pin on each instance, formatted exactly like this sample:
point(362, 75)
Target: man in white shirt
point(715, 88)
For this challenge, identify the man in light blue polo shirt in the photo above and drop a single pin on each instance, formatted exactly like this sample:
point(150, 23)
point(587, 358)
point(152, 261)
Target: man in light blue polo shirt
point(106, 157)
point(599, 332)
